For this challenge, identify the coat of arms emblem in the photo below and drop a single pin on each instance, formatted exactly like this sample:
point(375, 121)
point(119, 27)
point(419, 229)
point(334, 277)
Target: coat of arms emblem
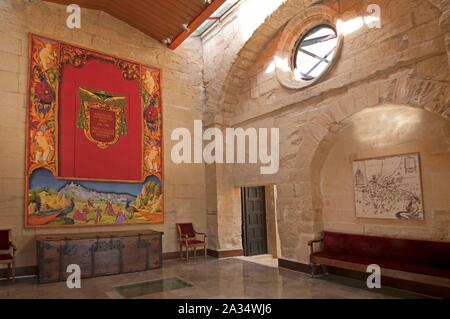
point(102, 117)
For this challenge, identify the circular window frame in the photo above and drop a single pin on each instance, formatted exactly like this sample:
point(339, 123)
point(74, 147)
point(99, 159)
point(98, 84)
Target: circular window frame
point(293, 34)
point(296, 50)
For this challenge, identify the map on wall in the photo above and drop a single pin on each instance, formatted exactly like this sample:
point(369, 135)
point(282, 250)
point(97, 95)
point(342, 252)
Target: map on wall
point(389, 187)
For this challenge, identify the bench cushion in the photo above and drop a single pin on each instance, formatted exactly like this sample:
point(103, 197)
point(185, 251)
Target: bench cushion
point(6, 257)
point(4, 239)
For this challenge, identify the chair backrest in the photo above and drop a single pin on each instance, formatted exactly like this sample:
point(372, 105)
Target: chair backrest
point(186, 229)
point(5, 238)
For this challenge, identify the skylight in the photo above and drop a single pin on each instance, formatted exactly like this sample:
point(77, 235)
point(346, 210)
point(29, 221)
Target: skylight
point(215, 17)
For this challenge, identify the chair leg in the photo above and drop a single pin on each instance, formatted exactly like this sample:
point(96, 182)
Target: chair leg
point(9, 271)
point(14, 271)
point(195, 251)
point(187, 253)
point(181, 252)
point(205, 251)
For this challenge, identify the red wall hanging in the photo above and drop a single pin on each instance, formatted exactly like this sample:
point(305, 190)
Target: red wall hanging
point(94, 139)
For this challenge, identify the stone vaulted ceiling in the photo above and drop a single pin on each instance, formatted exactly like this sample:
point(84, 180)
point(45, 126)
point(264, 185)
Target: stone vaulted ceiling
point(262, 36)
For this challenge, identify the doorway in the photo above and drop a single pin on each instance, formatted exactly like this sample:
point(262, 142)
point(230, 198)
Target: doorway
point(254, 233)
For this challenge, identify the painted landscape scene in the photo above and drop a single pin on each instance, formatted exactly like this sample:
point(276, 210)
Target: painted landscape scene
point(58, 202)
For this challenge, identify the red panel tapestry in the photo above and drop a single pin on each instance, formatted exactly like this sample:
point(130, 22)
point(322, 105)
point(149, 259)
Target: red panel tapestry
point(117, 150)
point(94, 141)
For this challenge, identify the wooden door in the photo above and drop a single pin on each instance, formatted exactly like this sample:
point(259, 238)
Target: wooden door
point(254, 221)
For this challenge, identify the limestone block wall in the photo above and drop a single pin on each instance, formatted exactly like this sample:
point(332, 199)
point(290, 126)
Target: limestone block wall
point(182, 93)
point(252, 24)
point(389, 130)
point(403, 63)
point(228, 79)
point(410, 34)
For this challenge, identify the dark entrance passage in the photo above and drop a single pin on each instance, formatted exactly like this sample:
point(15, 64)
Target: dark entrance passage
point(254, 235)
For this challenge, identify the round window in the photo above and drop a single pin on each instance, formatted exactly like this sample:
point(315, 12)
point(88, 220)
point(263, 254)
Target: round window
point(315, 52)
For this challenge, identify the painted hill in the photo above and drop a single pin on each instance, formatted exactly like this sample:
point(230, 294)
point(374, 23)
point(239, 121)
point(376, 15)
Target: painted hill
point(82, 193)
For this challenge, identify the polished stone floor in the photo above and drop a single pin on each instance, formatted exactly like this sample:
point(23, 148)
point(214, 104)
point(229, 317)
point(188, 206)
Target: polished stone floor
point(209, 278)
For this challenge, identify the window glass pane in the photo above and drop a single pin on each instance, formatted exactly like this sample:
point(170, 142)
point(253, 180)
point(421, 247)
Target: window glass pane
point(218, 14)
point(315, 52)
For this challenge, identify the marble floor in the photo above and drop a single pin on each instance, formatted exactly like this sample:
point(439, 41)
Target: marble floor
point(265, 260)
point(210, 278)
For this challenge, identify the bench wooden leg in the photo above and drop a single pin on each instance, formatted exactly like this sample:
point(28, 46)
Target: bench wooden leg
point(313, 270)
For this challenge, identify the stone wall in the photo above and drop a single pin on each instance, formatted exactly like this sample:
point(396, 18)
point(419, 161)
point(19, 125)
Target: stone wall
point(403, 63)
point(229, 79)
point(252, 24)
point(387, 130)
point(182, 93)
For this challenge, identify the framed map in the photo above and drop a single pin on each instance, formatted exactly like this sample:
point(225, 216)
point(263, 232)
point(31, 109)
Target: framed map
point(389, 187)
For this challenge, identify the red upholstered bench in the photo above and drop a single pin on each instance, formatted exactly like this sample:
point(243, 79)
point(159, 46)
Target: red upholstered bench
point(415, 260)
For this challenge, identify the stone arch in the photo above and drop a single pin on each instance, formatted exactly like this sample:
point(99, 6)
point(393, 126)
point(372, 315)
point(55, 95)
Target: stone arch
point(362, 136)
point(267, 32)
point(444, 22)
point(299, 196)
point(250, 52)
point(428, 95)
point(296, 199)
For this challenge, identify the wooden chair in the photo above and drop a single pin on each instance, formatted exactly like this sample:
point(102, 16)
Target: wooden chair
point(7, 253)
point(188, 238)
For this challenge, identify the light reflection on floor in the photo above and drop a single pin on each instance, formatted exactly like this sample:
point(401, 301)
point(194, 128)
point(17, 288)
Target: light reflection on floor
point(209, 278)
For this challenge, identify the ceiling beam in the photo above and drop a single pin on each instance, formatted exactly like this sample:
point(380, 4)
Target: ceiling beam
point(196, 23)
point(165, 24)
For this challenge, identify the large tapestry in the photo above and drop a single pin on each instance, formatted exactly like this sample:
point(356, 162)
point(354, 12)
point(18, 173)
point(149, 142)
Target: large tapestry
point(389, 187)
point(94, 139)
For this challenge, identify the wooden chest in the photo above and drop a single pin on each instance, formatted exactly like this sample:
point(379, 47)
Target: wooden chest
point(97, 254)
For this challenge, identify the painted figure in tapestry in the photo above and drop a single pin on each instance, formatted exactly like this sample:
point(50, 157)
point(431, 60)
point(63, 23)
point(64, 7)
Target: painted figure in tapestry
point(42, 111)
point(53, 201)
point(151, 99)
